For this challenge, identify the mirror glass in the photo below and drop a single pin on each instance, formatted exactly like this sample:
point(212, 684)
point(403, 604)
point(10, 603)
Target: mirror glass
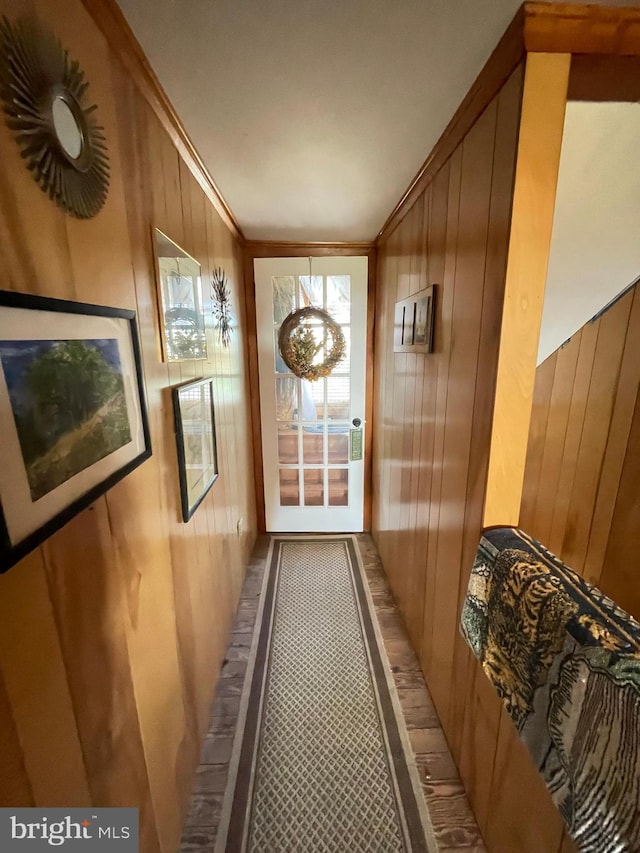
point(182, 310)
point(66, 127)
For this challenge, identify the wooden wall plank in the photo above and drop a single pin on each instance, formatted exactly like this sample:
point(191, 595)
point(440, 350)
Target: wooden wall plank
point(433, 250)
point(568, 845)
point(91, 605)
point(526, 819)
point(474, 709)
point(51, 748)
point(537, 434)
point(544, 495)
point(481, 725)
point(575, 423)
point(584, 499)
point(619, 577)
point(595, 432)
point(14, 782)
point(616, 450)
point(471, 247)
point(447, 205)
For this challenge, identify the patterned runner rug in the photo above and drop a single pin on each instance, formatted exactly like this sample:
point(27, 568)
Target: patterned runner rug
point(321, 760)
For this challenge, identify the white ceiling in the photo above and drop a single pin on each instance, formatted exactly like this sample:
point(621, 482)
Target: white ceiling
point(313, 116)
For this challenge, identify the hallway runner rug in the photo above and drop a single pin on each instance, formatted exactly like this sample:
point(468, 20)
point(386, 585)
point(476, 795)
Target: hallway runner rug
point(322, 760)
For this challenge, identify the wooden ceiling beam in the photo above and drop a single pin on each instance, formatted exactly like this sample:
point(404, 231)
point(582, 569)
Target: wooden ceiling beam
point(566, 28)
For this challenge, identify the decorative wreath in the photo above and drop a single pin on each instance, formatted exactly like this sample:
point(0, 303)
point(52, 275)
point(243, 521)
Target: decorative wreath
point(299, 348)
point(221, 305)
point(46, 106)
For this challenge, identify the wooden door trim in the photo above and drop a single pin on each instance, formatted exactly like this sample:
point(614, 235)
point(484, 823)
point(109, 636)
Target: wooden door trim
point(119, 35)
point(283, 249)
point(263, 249)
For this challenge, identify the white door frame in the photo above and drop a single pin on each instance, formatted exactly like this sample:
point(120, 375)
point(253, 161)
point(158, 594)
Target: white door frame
point(310, 518)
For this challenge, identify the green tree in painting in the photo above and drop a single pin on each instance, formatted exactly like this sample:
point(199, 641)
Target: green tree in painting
point(67, 384)
point(70, 412)
point(70, 382)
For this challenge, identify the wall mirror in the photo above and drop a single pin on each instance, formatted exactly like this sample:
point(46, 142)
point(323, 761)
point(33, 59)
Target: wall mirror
point(180, 302)
point(46, 106)
point(68, 127)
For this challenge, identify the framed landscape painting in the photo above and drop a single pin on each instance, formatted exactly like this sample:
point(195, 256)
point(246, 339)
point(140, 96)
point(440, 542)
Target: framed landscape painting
point(196, 440)
point(72, 413)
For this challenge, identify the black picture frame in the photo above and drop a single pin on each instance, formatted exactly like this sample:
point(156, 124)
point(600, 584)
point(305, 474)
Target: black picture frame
point(79, 460)
point(195, 426)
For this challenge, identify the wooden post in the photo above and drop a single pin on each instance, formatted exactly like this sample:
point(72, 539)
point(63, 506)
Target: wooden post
point(539, 144)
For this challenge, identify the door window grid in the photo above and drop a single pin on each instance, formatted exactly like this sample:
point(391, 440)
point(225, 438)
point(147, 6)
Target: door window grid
point(313, 486)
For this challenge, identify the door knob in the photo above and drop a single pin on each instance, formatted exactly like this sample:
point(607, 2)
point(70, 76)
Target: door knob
point(356, 422)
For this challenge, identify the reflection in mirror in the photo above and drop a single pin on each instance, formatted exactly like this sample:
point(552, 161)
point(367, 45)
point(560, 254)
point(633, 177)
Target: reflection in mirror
point(181, 308)
point(68, 131)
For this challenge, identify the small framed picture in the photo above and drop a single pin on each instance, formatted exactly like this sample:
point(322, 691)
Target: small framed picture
point(180, 302)
point(73, 419)
point(414, 320)
point(196, 440)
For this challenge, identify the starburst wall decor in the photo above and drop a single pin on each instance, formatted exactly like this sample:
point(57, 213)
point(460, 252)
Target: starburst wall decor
point(44, 94)
point(221, 305)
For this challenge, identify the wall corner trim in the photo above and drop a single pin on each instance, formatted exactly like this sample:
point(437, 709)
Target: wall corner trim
point(537, 165)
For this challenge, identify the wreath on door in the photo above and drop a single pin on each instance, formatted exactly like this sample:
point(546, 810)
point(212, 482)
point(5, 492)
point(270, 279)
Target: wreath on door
point(300, 346)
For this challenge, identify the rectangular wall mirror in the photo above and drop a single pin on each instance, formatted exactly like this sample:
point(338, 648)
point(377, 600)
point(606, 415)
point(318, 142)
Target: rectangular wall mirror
point(180, 302)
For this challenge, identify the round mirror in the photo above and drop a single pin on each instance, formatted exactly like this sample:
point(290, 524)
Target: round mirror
point(67, 128)
point(44, 99)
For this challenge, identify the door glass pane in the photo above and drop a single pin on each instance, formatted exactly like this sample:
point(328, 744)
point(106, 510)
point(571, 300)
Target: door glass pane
point(286, 398)
point(339, 447)
point(312, 446)
point(289, 488)
point(312, 402)
point(279, 366)
point(338, 397)
point(311, 291)
point(313, 487)
point(339, 297)
point(284, 297)
point(345, 365)
point(287, 444)
point(338, 486)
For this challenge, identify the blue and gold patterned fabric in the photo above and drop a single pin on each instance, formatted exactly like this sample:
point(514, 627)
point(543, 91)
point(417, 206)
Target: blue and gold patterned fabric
point(565, 660)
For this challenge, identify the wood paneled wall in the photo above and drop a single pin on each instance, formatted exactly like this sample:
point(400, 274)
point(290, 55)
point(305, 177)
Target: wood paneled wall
point(112, 633)
point(434, 420)
point(581, 496)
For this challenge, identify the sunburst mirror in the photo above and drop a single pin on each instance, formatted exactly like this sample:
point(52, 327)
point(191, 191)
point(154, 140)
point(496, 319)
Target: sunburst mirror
point(44, 94)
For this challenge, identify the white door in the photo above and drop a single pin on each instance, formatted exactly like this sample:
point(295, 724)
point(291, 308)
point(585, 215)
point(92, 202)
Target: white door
point(312, 432)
